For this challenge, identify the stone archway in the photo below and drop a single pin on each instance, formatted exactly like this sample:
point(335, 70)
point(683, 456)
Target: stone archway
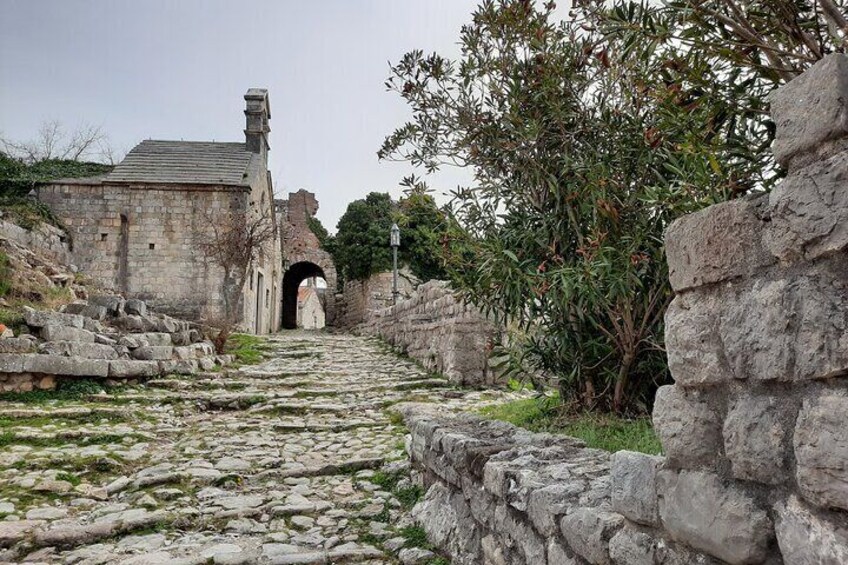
point(304, 256)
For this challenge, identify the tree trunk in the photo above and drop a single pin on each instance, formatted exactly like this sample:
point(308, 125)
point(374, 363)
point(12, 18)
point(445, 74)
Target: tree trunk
point(621, 381)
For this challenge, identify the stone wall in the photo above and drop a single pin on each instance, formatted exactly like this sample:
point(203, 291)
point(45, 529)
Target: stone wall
point(755, 428)
point(361, 298)
point(441, 332)
point(142, 241)
point(47, 240)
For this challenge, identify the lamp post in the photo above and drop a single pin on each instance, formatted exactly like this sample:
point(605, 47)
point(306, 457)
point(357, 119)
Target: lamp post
point(394, 241)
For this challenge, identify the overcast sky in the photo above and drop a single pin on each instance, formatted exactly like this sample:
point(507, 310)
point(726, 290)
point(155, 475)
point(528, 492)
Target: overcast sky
point(178, 69)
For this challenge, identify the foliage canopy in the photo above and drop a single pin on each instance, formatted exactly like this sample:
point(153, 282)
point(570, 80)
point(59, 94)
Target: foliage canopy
point(587, 137)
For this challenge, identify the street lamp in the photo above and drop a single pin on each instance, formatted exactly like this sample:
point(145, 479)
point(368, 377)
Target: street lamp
point(394, 241)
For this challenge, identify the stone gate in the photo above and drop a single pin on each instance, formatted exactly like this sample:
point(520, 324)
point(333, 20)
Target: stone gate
point(303, 256)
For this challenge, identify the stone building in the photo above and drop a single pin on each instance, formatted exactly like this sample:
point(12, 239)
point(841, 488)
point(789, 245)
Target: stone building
point(310, 308)
point(137, 229)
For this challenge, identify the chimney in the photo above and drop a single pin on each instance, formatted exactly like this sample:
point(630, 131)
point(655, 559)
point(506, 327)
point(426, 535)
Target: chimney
point(258, 113)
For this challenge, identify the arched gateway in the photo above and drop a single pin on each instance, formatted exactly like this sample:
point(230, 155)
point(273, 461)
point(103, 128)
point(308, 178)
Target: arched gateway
point(303, 257)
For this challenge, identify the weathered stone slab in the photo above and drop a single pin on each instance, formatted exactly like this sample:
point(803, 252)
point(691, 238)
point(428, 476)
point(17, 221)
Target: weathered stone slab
point(693, 341)
point(755, 441)
point(789, 329)
point(811, 110)
point(113, 303)
point(135, 307)
point(78, 349)
point(724, 521)
point(12, 362)
point(15, 345)
point(126, 368)
point(809, 212)
point(153, 352)
point(716, 244)
point(43, 318)
point(690, 431)
point(178, 367)
point(807, 539)
point(66, 333)
point(630, 547)
point(633, 486)
point(65, 366)
point(92, 311)
point(821, 451)
point(588, 531)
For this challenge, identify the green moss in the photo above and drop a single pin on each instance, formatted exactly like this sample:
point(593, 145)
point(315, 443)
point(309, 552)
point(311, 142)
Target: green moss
point(246, 348)
point(602, 431)
point(69, 477)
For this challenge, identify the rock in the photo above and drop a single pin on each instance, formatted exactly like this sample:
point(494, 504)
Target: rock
point(135, 307)
point(807, 122)
point(113, 303)
point(821, 451)
point(717, 244)
point(42, 318)
point(415, 555)
point(588, 530)
point(46, 513)
point(754, 439)
point(12, 362)
point(65, 366)
point(689, 429)
point(303, 522)
point(132, 324)
point(78, 349)
point(93, 311)
point(724, 521)
point(13, 532)
point(240, 502)
point(53, 485)
point(178, 367)
point(166, 324)
point(15, 345)
point(6, 333)
point(66, 333)
point(153, 353)
point(124, 368)
point(806, 539)
point(693, 341)
point(630, 547)
point(633, 486)
point(232, 464)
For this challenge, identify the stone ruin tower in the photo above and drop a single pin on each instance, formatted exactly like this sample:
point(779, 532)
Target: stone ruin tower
point(303, 256)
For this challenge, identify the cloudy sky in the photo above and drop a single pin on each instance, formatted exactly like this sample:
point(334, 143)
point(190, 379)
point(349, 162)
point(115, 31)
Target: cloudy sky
point(177, 69)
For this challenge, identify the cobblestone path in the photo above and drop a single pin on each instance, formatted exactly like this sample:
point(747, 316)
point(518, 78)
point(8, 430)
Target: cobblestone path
point(294, 460)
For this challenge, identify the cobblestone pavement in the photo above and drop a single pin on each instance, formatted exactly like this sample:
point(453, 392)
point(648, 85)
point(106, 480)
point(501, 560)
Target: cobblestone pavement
point(294, 460)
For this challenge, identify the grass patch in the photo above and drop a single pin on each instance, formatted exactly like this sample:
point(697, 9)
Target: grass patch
point(68, 477)
point(602, 431)
point(72, 389)
point(415, 536)
point(246, 348)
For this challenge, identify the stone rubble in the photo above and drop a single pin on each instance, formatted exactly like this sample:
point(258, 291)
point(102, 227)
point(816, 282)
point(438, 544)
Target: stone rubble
point(275, 463)
point(105, 337)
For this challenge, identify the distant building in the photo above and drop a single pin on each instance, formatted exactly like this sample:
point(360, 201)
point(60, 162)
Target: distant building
point(135, 230)
point(310, 309)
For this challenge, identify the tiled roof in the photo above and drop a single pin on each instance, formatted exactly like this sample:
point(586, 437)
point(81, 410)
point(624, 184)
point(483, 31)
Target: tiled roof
point(184, 162)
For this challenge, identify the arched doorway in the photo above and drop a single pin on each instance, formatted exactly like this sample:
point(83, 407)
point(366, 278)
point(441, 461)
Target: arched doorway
point(296, 274)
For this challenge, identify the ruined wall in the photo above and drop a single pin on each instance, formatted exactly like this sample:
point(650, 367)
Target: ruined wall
point(755, 428)
point(435, 328)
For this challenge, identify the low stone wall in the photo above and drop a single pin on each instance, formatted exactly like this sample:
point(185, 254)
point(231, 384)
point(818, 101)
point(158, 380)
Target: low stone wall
point(360, 299)
point(435, 328)
point(500, 495)
point(755, 428)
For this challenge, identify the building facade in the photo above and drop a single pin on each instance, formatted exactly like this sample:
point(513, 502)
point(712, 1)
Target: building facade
point(141, 229)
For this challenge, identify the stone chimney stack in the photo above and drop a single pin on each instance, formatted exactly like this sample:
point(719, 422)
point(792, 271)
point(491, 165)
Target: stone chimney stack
point(258, 114)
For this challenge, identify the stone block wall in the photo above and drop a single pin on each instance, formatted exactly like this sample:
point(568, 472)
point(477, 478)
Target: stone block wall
point(755, 428)
point(142, 241)
point(443, 333)
point(361, 298)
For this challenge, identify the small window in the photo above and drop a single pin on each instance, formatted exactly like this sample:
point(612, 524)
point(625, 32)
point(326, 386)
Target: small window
point(251, 281)
point(151, 246)
point(267, 298)
point(103, 236)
